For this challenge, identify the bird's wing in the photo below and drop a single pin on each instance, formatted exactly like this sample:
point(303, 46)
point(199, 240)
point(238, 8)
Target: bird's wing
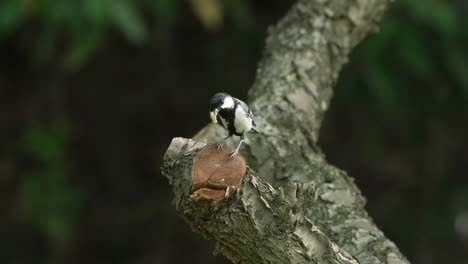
point(245, 107)
point(250, 115)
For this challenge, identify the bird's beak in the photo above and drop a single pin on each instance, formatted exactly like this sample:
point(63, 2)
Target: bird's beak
point(214, 115)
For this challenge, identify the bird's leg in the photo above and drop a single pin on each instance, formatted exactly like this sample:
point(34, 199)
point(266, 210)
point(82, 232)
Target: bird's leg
point(221, 143)
point(236, 151)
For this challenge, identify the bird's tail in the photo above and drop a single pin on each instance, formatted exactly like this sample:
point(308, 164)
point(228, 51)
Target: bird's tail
point(255, 130)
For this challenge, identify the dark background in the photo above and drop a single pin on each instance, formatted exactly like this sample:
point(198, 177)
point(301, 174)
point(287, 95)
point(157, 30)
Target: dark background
point(92, 92)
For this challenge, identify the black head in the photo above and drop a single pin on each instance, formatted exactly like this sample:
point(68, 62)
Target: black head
point(217, 100)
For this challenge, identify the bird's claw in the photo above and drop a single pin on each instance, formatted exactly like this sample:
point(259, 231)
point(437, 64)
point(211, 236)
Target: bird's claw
point(220, 145)
point(233, 153)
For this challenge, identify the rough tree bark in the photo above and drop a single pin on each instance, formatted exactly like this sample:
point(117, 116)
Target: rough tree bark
point(292, 206)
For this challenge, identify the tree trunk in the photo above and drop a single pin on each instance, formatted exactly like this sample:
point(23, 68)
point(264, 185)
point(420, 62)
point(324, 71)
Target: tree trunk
point(295, 207)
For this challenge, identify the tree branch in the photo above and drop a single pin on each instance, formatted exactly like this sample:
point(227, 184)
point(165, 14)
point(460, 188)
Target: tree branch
point(256, 223)
point(304, 53)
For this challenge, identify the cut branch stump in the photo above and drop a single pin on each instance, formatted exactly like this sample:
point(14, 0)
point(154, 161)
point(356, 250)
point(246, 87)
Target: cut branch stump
point(215, 174)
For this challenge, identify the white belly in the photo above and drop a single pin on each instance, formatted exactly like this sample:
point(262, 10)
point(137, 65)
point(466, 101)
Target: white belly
point(242, 123)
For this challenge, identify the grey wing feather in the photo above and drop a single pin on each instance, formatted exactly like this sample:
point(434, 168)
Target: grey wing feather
point(246, 108)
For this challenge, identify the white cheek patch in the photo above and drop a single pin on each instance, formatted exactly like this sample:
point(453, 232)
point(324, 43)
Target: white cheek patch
point(228, 103)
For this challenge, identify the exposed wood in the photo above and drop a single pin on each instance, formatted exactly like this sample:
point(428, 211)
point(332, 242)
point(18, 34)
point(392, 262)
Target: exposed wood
point(214, 174)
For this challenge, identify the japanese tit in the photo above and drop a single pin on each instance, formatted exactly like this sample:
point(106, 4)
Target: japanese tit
point(232, 114)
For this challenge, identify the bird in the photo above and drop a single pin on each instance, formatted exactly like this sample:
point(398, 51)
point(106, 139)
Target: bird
point(234, 115)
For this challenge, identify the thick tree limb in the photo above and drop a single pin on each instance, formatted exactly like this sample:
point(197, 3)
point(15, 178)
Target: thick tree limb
point(303, 56)
point(256, 223)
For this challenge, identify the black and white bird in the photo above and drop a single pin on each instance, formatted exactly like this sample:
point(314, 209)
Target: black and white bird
point(232, 114)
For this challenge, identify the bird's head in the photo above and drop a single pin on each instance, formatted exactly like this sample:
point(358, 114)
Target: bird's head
point(220, 101)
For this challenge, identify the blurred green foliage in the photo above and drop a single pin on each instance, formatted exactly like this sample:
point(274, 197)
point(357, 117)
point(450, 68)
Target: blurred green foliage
point(76, 29)
point(416, 65)
point(49, 201)
point(421, 44)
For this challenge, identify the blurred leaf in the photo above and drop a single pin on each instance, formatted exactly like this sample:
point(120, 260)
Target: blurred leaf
point(128, 21)
point(165, 11)
point(384, 86)
point(457, 63)
point(45, 143)
point(437, 13)
point(414, 52)
point(83, 48)
point(10, 16)
point(45, 45)
point(53, 15)
point(241, 14)
point(50, 203)
point(378, 44)
point(97, 11)
point(209, 12)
